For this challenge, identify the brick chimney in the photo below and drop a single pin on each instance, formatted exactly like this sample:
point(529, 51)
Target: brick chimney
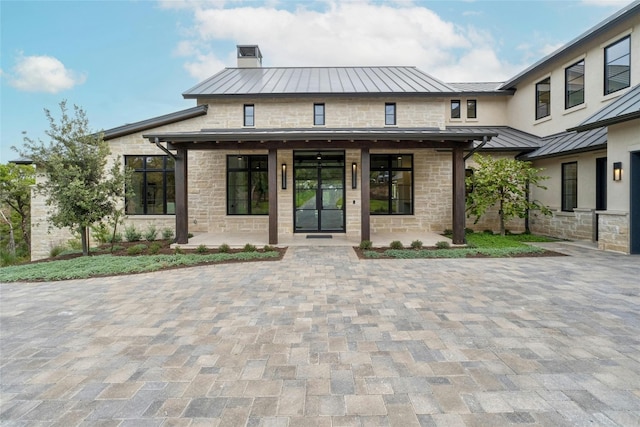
point(249, 56)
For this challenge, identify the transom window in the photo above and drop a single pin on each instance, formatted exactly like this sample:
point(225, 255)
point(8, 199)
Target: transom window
point(249, 115)
point(391, 184)
point(153, 185)
point(247, 185)
point(569, 186)
point(574, 85)
point(390, 113)
point(617, 66)
point(318, 114)
point(543, 98)
point(455, 109)
point(472, 111)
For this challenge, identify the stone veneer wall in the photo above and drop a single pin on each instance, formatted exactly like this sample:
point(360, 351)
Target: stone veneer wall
point(576, 225)
point(613, 231)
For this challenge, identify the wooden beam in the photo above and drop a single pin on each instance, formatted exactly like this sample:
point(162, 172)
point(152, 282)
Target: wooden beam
point(458, 196)
point(182, 197)
point(314, 145)
point(273, 196)
point(365, 218)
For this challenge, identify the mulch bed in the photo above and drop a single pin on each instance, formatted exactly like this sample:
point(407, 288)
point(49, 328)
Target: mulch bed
point(381, 251)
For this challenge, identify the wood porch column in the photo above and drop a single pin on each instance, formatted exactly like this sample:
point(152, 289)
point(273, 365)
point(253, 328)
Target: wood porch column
point(273, 196)
point(182, 197)
point(458, 196)
point(365, 219)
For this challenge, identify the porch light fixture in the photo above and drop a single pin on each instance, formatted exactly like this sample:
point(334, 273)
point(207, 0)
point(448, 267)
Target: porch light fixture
point(617, 171)
point(318, 156)
point(284, 176)
point(354, 175)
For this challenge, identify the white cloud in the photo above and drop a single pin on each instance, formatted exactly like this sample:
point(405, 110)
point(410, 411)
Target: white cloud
point(43, 74)
point(342, 33)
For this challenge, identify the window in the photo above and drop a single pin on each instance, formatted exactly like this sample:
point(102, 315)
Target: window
point(617, 66)
point(455, 109)
point(247, 185)
point(543, 98)
point(574, 85)
point(153, 185)
point(471, 109)
point(391, 184)
point(249, 115)
point(318, 114)
point(389, 114)
point(569, 186)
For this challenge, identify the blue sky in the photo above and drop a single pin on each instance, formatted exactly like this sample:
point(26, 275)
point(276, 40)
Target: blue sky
point(124, 61)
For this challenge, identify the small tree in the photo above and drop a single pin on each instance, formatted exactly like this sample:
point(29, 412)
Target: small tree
point(15, 198)
point(503, 182)
point(78, 187)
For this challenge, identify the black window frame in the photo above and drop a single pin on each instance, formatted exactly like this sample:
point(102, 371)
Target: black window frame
point(388, 172)
point(608, 62)
point(568, 81)
point(569, 199)
point(165, 170)
point(318, 117)
point(250, 165)
point(389, 116)
point(539, 92)
point(249, 115)
point(470, 103)
point(455, 111)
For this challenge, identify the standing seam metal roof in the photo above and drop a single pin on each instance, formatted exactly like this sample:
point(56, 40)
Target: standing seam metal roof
point(569, 142)
point(318, 80)
point(507, 139)
point(627, 107)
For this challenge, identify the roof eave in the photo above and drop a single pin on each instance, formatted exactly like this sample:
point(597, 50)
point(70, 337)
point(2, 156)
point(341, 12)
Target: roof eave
point(565, 153)
point(608, 122)
point(166, 119)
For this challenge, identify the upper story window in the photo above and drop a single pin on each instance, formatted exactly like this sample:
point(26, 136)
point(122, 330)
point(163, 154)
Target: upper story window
point(569, 186)
point(391, 184)
point(247, 185)
point(472, 110)
point(153, 185)
point(455, 108)
point(249, 115)
point(318, 114)
point(617, 66)
point(574, 85)
point(543, 98)
point(390, 113)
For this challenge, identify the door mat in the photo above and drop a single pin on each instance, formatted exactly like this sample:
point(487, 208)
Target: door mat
point(319, 236)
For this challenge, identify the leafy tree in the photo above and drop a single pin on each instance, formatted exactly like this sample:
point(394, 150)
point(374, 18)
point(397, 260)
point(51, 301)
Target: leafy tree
point(15, 200)
point(78, 187)
point(503, 182)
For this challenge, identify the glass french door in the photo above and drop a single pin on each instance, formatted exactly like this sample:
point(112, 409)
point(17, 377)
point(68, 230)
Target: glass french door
point(319, 191)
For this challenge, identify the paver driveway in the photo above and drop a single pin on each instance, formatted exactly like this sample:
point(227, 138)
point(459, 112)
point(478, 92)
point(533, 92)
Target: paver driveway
point(324, 339)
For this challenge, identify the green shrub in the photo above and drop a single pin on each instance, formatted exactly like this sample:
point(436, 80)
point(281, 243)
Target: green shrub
point(74, 244)
point(189, 235)
point(396, 244)
point(178, 250)
point(468, 231)
point(224, 248)
point(154, 248)
point(115, 238)
point(487, 231)
point(167, 234)
point(442, 245)
point(136, 249)
point(7, 258)
point(101, 233)
point(416, 244)
point(268, 248)
point(249, 248)
point(447, 232)
point(366, 245)
point(202, 249)
point(131, 234)
point(151, 234)
point(57, 250)
point(117, 248)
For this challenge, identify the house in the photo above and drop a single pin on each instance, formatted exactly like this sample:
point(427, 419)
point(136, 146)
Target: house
point(363, 150)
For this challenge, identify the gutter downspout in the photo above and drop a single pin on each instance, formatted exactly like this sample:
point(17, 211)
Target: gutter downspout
point(169, 153)
point(482, 144)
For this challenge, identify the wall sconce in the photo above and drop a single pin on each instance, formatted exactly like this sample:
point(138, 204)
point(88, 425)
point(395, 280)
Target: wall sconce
point(617, 171)
point(354, 175)
point(284, 176)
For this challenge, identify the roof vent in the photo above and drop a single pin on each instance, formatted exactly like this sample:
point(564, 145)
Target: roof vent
point(249, 56)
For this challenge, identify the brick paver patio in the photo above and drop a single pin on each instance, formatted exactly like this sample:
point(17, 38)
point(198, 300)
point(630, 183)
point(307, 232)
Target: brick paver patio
point(324, 339)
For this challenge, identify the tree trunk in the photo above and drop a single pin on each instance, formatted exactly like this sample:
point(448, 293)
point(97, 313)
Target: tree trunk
point(501, 214)
point(84, 237)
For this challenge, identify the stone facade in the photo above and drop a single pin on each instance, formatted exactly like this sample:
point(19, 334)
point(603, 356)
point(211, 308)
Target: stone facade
point(613, 231)
point(576, 225)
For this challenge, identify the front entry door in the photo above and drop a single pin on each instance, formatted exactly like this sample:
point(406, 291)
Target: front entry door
point(319, 191)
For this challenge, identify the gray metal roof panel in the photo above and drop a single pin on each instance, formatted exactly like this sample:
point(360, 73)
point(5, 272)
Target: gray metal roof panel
point(626, 12)
point(477, 87)
point(154, 122)
point(507, 138)
point(626, 107)
point(569, 142)
point(317, 80)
